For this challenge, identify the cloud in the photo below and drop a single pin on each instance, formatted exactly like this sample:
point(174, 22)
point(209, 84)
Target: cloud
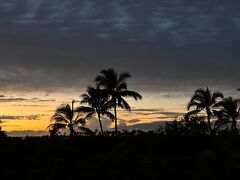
point(147, 109)
point(16, 99)
point(27, 133)
point(27, 117)
point(94, 124)
point(13, 99)
point(158, 111)
point(133, 121)
point(184, 22)
point(29, 105)
point(41, 100)
point(56, 45)
point(144, 126)
point(176, 95)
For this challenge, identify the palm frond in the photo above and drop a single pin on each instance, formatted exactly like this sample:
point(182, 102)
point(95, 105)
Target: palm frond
point(220, 123)
point(86, 131)
point(108, 114)
point(101, 80)
point(218, 95)
point(131, 94)
point(123, 77)
point(80, 121)
point(59, 118)
point(215, 96)
point(219, 104)
point(66, 110)
point(85, 98)
point(123, 104)
point(84, 109)
point(197, 105)
point(190, 113)
point(89, 115)
point(201, 91)
point(122, 86)
point(57, 126)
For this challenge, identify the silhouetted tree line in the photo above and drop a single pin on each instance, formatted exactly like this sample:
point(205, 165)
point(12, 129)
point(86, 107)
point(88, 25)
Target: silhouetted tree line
point(108, 93)
point(209, 113)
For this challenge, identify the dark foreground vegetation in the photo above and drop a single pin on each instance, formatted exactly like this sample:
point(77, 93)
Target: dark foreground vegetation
point(142, 156)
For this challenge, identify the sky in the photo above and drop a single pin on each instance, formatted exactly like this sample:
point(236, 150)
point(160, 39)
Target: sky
point(51, 50)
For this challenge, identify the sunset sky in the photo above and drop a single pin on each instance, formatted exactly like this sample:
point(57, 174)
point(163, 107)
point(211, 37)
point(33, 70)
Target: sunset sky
point(52, 50)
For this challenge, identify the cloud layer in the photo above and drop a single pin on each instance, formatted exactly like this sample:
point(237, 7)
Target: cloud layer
point(48, 45)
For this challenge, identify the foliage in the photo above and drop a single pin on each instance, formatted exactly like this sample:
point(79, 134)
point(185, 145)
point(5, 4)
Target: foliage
point(66, 117)
point(204, 100)
point(228, 113)
point(116, 87)
point(98, 105)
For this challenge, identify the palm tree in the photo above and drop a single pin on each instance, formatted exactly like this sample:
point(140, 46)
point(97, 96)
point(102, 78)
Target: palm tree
point(204, 100)
point(229, 112)
point(116, 87)
point(195, 124)
point(98, 104)
point(66, 117)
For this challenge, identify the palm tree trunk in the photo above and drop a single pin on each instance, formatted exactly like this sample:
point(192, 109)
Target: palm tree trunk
point(234, 125)
point(100, 123)
point(72, 131)
point(115, 114)
point(209, 126)
point(209, 122)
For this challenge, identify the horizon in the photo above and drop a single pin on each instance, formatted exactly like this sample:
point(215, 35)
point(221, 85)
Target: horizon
point(51, 51)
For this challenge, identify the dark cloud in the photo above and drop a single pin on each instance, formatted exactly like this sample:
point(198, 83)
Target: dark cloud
point(164, 113)
point(147, 109)
point(29, 105)
point(16, 99)
point(27, 133)
point(28, 117)
point(176, 95)
point(144, 126)
point(133, 121)
point(178, 45)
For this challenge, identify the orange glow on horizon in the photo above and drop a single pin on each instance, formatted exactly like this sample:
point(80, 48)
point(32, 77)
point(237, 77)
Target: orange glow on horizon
point(42, 111)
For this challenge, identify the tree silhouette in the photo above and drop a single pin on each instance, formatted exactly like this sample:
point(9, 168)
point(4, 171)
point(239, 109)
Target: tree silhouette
point(98, 104)
point(228, 113)
point(204, 100)
point(195, 124)
point(116, 87)
point(66, 117)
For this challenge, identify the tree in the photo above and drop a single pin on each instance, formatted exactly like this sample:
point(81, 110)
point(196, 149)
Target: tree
point(229, 112)
point(66, 117)
point(195, 124)
point(2, 133)
point(204, 100)
point(98, 104)
point(116, 87)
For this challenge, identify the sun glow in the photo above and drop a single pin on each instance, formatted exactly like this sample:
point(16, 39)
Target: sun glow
point(28, 113)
